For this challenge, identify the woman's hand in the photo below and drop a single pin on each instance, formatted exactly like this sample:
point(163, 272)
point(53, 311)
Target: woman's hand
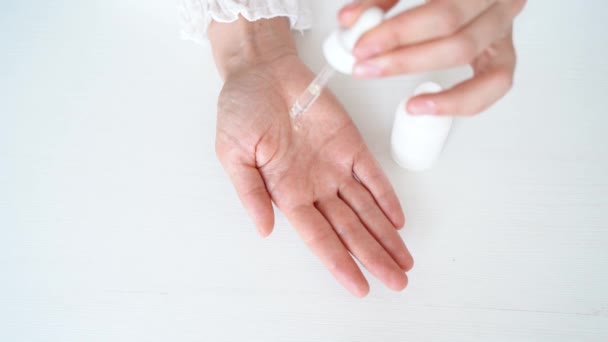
point(442, 34)
point(317, 169)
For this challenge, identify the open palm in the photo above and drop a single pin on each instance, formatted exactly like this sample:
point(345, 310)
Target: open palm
point(317, 169)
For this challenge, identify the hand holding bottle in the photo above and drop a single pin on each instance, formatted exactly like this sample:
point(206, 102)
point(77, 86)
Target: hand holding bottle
point(441, 34)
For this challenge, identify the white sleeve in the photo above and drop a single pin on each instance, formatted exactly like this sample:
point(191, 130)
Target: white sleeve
point(196, 15)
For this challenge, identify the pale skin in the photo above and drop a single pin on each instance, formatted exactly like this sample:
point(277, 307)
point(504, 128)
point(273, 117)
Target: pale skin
point(317, 169)
point(441, 34)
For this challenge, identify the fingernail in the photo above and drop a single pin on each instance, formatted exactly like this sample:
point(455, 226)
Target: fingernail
point(367, 69)
point(422, 107)
point(349, 8)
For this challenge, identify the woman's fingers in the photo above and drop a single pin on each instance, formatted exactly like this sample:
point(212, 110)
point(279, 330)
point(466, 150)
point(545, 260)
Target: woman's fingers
point(370, 214)
point(361, 243)
point(369, 173)
point(433, 20)
point(252, 192)
point(493, 79)
point(459, 49)
point(322, 240)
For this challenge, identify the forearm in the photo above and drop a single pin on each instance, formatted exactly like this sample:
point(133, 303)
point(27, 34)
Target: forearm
point(242, 44)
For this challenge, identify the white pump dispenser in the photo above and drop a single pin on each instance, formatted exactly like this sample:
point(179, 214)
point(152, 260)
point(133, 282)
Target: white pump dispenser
point(339, 45)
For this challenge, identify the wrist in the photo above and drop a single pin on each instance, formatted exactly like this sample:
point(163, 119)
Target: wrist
point(242, 44)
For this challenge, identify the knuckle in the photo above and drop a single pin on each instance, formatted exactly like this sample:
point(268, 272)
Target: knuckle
point(367, 208)
point(345, 228)
point(503, 79)
point(463, 49)
point(395, 36)
point(337, 265)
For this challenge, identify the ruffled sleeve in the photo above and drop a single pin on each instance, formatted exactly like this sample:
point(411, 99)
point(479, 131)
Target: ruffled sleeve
point(196, 15)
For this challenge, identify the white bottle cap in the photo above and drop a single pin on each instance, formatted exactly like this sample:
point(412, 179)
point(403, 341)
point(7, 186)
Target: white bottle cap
point(417, 140)
point(339, 45)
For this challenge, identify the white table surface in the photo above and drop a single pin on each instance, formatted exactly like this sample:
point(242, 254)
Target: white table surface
point(118, 224)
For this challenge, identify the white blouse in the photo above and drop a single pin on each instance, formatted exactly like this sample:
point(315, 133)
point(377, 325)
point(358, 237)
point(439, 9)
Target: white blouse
point(196, 15)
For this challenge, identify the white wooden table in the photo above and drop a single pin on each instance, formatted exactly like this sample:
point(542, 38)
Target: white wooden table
point(118, 224)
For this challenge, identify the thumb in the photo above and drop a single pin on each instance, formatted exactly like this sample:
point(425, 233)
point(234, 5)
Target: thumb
point(349, 14)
